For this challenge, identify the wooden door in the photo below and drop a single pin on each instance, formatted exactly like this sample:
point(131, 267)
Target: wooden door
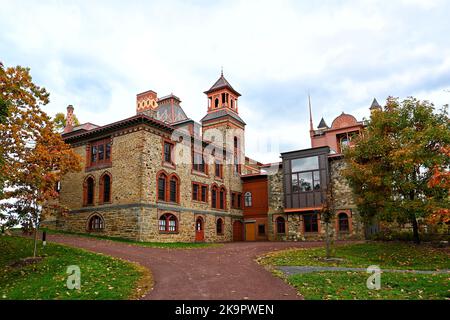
point(199, 230)
point(250, 232)
point(237, 231)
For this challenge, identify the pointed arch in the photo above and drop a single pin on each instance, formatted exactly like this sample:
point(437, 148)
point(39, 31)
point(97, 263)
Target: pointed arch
point(219, 226)
point(95, 223)
point(223, 198)
point(161, 185)
point(105, 190)
point(174, 188)
point(88, 190)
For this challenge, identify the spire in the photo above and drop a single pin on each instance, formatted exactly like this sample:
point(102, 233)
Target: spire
point(322, 124)
point(221, 72)
point(311, 127)
point(375, 105)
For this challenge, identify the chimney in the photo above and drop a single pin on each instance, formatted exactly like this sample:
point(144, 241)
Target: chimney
point(146, 103)
point(69, 119)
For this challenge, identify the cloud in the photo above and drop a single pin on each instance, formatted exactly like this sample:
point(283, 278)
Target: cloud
point(98, 55)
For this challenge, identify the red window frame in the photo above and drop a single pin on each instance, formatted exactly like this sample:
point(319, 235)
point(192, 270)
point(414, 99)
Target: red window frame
point(343, 222)
point(313, 224)
point(200, 188)
point(106, 146)
point(236, 200)
point(86, 191)
point(164, 225)
point(102, 189)
point(281, 225)
point(220, 223)
point(167, 192)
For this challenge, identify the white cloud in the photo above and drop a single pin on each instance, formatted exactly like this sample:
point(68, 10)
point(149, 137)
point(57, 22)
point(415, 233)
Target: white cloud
point(98, 55)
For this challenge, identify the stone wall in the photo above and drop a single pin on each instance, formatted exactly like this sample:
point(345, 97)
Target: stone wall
point(134, 210)
point(276, 200)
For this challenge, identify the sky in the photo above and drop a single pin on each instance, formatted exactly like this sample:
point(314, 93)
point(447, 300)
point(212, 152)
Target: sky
point(97, 55)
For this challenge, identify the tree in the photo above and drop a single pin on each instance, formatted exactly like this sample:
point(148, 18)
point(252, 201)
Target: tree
point(60, 121)
point(328, 214)
point(35, 156)
point(3, 114)
point(392, 162)
point(441, 178)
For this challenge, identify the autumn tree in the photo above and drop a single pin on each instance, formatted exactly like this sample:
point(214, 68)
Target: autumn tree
point(3, 114)
point(392, 162)
point(60, 121)
point(35, 156)
point(441, 178)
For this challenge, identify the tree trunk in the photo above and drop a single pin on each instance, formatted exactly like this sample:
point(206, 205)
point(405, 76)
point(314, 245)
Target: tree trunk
point(36, 227)
point(415, 225)
point(327, 237)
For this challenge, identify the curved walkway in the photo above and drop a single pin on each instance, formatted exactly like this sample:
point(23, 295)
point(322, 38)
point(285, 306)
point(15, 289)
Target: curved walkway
point(224, 272)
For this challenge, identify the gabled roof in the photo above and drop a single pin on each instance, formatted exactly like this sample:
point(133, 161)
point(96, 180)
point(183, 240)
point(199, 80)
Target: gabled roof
point(375, 105)
point(79, 135)
point(221, 84)
point(322, 124)
point(222, 113)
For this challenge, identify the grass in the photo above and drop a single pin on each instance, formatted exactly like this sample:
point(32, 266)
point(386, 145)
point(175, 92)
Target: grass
point(386, 255)
point(352, 285)
point(168, 245)
point(102, 277)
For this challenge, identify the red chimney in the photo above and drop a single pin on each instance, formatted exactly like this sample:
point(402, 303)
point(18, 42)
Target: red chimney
point(146, 103)
point(69, 119)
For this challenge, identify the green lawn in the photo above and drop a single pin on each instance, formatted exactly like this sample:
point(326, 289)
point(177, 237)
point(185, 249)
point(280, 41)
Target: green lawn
point(384, 254)
point(352, 285)
point(168, 245)
point(102, 277)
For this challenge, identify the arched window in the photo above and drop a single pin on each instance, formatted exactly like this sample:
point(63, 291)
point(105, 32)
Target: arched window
point(168, 223)
point(248, 199)
point(222, 198)
point(219, 226)
point(96, 223)
point(281, 225)
point(214, 191)
point(162, 181)
point(88, 186)
point(173, 189)
point(343, 222)
point(105, 188)
point(345, 142)
point(216, 103)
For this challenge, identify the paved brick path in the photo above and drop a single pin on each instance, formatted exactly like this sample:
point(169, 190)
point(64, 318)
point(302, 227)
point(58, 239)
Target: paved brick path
point(225, 272)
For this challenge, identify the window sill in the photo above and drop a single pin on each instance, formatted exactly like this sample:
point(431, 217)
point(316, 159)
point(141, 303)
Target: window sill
point(199, 173)
point(168, 202)
point(88, 205)
point(168, 232)
point(199, 201)
point(169, 165)
point(98, 167)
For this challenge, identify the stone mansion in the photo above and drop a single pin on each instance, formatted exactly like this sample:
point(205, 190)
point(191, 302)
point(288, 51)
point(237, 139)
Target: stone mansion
point(161, 176)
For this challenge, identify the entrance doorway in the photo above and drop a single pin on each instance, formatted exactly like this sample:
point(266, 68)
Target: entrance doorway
point(199, 230)
point(237, 231)
point(250, 232)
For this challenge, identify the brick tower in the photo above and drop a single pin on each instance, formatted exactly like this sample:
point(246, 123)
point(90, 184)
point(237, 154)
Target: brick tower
point(223, 122)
